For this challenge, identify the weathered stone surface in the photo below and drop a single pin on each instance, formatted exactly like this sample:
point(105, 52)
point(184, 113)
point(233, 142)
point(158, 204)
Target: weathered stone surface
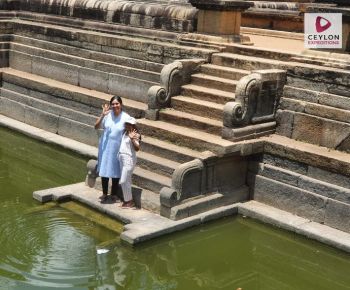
point(21, 61)
point(284, 120)
point(320, 131)
point(229, 173)
point(131, 88)
point(13, 109)
point(285, 148)
point(301, 94)
point(330, 177)
point(93, 79)
point(279, 174)
point(284, 220)
point(150, 15)
point(334, 101)
point(334, 134)
point(307, 129)
point(325, 189)
point(327, 112)
point(289, 198)
point(286, 163)
point(15, 88)
point(57, 70)
point(338, 215)
point(41, 119)
point(292, 105)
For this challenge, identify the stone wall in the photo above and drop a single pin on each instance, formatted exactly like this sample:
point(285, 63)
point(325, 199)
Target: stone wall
point(176, 16)
point(302, 188)
point(315, 107)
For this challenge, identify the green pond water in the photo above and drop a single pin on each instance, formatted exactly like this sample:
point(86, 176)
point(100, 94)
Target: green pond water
point(51, 247)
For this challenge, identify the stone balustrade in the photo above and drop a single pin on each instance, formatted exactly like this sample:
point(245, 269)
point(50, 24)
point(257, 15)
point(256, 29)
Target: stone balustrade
point(252, 114)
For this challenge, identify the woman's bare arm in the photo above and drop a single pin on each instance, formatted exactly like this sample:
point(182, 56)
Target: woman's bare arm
point(105, 111)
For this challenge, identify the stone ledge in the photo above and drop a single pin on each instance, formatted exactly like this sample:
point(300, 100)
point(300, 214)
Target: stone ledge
point(51, 138)
point(290, 222)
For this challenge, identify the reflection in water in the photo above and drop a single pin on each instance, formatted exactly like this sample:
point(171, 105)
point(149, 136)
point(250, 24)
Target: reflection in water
point(228, 254)
point(48, 247)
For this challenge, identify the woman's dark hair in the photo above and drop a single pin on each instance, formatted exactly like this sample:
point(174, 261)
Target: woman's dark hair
point(119, 99)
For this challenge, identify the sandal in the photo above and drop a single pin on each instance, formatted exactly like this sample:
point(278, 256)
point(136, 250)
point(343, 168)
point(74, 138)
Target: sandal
point(103, 198)
point(128, 204)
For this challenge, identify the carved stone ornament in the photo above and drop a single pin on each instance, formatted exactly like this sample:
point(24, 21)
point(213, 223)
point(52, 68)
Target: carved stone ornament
point(187, 178)
point(172, 77)
point(241, 111)
point(256, 98)
point(170, 84)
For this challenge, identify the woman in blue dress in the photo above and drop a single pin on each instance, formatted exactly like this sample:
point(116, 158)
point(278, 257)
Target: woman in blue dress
point(112, 121)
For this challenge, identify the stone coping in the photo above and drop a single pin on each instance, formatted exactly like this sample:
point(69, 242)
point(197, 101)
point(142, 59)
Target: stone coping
point(142, 225)
point(221, 5)
point(296, 224)
point(175, 16)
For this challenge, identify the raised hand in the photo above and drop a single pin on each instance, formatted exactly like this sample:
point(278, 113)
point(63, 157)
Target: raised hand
point(134, 135)
point(105, 109)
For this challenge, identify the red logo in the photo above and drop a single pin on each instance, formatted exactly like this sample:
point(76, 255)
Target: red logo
point(319, 27)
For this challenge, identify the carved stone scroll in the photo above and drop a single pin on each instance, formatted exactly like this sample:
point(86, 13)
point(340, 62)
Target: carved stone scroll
point(172, 77)
point(252, 114)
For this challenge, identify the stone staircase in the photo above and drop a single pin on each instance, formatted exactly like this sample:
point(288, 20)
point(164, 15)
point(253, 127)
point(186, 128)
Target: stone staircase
point(201, 102)
point(57, 77)
point(71, 111)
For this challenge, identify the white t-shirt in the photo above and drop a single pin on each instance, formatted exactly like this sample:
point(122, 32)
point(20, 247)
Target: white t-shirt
point(126, 146)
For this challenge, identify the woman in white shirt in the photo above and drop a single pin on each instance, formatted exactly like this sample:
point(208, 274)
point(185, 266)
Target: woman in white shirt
point(130, 143)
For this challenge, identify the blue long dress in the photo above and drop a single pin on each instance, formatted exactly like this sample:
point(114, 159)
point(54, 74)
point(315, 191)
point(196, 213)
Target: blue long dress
point(113, 128)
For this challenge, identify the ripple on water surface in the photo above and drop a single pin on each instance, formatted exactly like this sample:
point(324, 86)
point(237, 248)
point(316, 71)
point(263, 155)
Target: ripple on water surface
point(47, 249)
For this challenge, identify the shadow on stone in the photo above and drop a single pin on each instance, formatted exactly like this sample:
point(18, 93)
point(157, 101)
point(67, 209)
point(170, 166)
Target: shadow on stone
point(136, 195)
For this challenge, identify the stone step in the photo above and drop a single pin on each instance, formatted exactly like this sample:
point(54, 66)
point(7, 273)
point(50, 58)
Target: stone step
point(138, 47)
point(92, 54)
point(168, 150)
point(314, 129)
point(82, 60)
point(303, 203)
point(133, 88)
point(63, 94)
point(207, 202)
point(49, 107)
point(223, 72)
point(214, 82)
point(197, 107)
point(187, 137)
point(314, 109)
point(156, 164)
point(265, 52)
point(191, 121)
point(50, 122)
point(150, 180)
point(149, 199)
point(207, 94)
point(321, 98)
point(244, 62)
point(305, 153)
point(323, 62)
point(304, 182)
